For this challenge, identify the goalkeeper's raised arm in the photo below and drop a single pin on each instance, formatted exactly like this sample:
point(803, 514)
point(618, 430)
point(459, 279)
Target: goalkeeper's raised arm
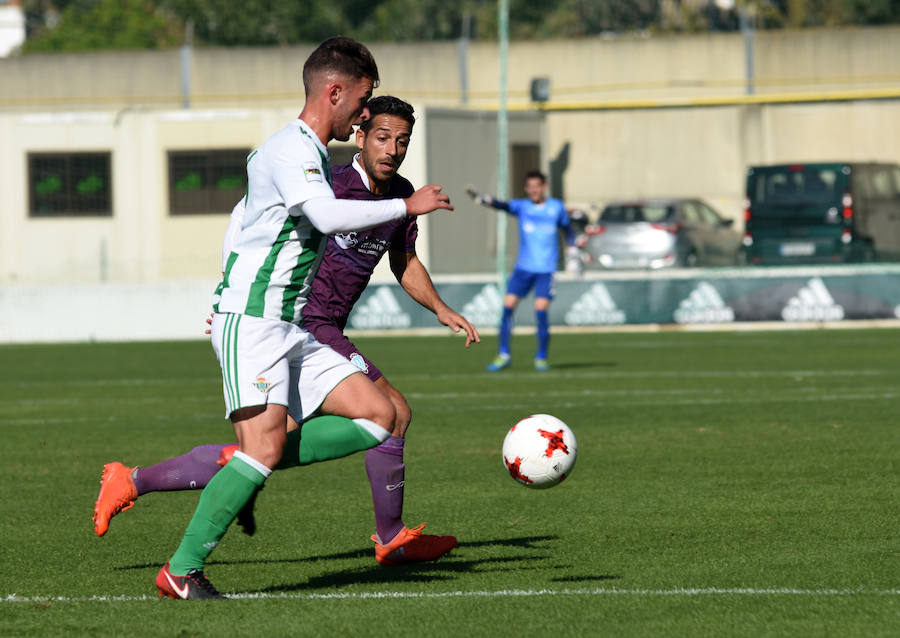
point(486, 200)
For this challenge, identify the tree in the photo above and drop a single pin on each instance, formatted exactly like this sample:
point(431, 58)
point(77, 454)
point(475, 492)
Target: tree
point(77, 25)
point(107, 24)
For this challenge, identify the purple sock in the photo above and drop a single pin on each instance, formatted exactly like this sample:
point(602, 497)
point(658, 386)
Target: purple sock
point(190, 471)
point(384, 465)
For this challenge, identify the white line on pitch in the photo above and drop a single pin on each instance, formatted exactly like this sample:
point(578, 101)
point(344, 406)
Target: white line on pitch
point(729, 400)
point(503, 593)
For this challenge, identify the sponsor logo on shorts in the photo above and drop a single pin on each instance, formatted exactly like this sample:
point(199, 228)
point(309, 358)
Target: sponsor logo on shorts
point(261, 384)
point(357, 360)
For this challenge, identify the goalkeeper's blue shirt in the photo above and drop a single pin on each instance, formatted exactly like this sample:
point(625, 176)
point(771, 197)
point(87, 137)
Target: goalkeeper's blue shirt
point(538, 228)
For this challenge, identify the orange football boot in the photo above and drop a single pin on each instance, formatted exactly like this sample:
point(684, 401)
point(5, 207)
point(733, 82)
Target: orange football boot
point(117, 494)
point(412, 546)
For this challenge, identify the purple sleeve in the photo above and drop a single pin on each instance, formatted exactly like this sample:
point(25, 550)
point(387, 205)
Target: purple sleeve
point(412, 233)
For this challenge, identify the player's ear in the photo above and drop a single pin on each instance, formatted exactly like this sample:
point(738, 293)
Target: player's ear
point(335, 90)
point(360, 137)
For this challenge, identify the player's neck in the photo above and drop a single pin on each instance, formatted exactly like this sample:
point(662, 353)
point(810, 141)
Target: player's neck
point(318, 122)
point(379, 188)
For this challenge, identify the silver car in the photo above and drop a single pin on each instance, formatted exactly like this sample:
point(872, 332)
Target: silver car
point(660, 233)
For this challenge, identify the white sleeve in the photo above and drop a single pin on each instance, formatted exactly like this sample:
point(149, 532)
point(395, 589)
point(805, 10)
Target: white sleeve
point(235, 225)
point(331, 215)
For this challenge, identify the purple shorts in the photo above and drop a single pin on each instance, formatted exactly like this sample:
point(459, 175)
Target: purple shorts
point(332, 336)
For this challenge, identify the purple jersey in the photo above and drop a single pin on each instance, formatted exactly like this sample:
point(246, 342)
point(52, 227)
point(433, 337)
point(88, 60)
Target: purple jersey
point(348, 263)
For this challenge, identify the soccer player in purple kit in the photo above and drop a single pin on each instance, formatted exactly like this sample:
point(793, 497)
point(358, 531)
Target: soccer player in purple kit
point(540, 218)
point(346, 268)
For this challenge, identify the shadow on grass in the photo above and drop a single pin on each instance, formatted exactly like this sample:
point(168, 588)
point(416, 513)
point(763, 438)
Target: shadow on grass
point(585, 579)
point(527, 542)
point(442, 570)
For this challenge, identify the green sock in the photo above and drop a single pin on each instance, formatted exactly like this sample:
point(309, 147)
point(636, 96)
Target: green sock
point(221, 500)
point(326, 437)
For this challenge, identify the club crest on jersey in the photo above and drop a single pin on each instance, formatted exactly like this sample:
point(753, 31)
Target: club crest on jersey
point(357, 360)
point(261, 384)
point(312, 172)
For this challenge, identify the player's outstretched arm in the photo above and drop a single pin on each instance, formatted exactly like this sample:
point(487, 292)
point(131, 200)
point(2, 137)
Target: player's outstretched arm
point(486, 200)
point(427, 199)
point(416, 281)
point(332, 215)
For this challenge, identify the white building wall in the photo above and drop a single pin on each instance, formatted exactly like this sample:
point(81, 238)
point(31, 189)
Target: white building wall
point(141, 241)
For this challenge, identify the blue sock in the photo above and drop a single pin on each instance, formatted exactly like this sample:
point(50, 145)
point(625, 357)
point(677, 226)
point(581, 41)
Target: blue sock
point(506, 326)
point(543, 334)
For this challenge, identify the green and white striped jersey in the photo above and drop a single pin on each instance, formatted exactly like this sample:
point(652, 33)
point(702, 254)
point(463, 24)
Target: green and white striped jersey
point(272, 264)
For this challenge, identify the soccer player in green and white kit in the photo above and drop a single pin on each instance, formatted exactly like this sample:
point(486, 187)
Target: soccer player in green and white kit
point(271, 367)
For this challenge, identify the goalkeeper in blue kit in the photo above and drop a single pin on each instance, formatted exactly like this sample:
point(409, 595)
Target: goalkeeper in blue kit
point(540, 219)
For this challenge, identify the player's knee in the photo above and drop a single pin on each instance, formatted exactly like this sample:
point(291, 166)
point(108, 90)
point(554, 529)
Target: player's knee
point(403, 416)
point(271, 452)
point(266, 448)
point(383, 413)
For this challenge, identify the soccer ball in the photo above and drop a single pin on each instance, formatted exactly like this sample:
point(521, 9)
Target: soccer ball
point(539, 451)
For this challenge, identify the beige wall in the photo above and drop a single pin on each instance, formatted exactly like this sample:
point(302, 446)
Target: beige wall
point(141, 241)
point(129, 103)
point(625, 67)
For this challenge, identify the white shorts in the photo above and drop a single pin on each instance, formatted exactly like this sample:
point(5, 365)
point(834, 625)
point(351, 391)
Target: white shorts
point(266, 361)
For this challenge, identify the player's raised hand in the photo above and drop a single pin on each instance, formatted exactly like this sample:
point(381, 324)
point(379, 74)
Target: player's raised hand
point(457, 322)
point(485, 200)
point(427, 199)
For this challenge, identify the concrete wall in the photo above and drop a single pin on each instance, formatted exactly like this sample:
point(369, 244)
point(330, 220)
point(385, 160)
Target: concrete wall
point(129, 103)
point(626, 67)
point(462, 150)
point(141, 241)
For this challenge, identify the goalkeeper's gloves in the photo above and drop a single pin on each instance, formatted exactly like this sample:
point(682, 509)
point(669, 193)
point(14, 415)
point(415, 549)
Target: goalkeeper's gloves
point(485, 200)
point(574, 264)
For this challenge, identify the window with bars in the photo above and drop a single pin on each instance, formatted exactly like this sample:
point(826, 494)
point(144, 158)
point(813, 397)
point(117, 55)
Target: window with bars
point(69, 185)
point(206, 181)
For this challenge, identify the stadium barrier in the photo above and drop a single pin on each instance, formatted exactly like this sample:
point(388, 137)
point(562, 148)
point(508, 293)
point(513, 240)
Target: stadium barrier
point(698, 297)
point(685, 297)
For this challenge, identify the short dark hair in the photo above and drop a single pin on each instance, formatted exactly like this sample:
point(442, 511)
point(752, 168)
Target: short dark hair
point(342, 55)
point(388, 105)
point(536, 175)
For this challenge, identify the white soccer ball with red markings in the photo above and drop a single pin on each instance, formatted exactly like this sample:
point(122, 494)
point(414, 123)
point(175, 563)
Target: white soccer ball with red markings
point(539, 451)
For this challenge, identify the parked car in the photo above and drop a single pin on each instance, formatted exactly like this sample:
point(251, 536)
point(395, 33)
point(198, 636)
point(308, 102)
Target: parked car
point(822, 212)
point(660, 233)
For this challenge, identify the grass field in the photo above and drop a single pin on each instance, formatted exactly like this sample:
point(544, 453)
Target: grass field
point(727, 484)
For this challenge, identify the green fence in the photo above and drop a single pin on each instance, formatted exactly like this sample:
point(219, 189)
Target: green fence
point(705, 296)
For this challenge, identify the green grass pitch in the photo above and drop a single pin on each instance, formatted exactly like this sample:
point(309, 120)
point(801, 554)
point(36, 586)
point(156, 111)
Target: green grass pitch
point(728, 483)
